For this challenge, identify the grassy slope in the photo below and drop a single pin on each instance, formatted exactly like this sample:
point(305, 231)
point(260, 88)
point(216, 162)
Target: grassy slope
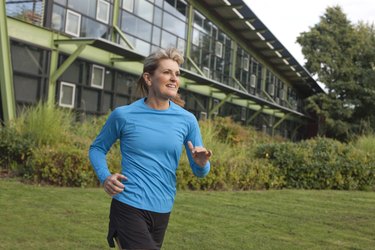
point(33, 217)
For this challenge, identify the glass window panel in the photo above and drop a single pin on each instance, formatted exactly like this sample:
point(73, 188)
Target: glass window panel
point(144, 9)
point(156, 33)
point(181, 44)
point(102, 13)
point(26, 89)
point(73, 23)
point(181, 10)
point(62, 2)
point(195, 37)
point(108, 79)
point(67, 94)
point(58, 17)
point(198, 19)
point(73, 73)
point(174, 25)
point(169, 6)
point(92, 28)
point(97, 77)
point(128, 5)
point(142, 47)
point(195, 54)
point(136, 26)
point(87, 7)
point(158, 16)
point(107, 102)
point(159, 3)
point(168, 40)
point(131, 40)
point(125, 83)
point(27, 59)
point(89, 100)
point(154, 48)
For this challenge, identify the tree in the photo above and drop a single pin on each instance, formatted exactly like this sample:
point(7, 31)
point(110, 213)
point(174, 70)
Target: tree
point(342, 56)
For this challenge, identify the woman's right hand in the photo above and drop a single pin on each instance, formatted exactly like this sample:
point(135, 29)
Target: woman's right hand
point(112, 185)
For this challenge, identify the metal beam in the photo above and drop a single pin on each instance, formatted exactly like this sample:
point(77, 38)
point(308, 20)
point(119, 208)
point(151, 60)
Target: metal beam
point(67, 63)
point(6, 71)
point(123, 37)
point(254, 116)
point(279, 122)
point(195, 66)
point(216, 108)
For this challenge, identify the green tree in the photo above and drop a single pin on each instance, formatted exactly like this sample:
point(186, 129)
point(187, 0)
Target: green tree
point(341, 55)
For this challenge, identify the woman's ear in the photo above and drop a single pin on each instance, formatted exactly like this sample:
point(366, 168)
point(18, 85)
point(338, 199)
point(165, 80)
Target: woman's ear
point(147, 78)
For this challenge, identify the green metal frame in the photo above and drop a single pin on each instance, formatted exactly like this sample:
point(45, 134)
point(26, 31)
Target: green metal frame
point(216, 107)
point(278, 123)
point(6, 71)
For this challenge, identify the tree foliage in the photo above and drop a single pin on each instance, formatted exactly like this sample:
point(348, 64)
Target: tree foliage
point(342, 56)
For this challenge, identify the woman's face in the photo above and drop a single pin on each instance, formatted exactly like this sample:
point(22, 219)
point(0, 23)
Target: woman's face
point(165, 81)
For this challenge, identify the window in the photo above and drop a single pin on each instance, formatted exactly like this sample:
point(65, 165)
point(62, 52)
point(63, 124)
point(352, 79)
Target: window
point(144, 10)
point(206, 72)
point(203, 116)
point(67, 95)
point(128, 5)
point(73, 23)
point(102, 11)
point(271, 89)
point(253, 80)
point(216, 103)
point(97, 76)
point(219, 49)
point(245, 64)
point(243, 114)
point(181, 44)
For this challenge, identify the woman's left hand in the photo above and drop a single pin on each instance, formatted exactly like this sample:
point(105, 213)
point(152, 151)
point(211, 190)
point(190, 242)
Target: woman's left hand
point(200, 154)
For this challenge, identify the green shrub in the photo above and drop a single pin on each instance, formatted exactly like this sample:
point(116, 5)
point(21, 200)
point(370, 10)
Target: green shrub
point(321, 163)
point(62, 165)
point(15, 150)
point(366, 143)
point(233, 166)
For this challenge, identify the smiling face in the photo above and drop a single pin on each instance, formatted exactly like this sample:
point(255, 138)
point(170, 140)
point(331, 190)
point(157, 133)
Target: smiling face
point(164, 82)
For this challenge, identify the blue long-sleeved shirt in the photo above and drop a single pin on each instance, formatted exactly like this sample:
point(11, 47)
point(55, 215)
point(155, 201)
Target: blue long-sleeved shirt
point(151, 144)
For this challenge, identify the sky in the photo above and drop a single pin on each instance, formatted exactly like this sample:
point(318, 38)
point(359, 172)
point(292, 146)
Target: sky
point(286, 19)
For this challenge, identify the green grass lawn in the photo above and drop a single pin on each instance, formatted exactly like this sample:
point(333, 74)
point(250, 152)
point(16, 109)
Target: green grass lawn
point(35, 217)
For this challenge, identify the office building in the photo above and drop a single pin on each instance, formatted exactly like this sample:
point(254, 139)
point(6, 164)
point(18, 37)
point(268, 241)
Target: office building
point(87, 55)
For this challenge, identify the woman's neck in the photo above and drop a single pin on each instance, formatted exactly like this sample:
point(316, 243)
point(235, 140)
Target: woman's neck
point(158, 104)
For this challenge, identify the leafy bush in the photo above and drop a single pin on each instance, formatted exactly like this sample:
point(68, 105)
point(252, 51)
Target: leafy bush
point(62, 165)
point(366, 143)
point(15, 150)
point(321, 163)
point(233, 166)
point(46, 145)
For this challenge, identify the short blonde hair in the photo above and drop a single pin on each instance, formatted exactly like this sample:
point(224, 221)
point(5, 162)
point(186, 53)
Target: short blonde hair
point(151, 63)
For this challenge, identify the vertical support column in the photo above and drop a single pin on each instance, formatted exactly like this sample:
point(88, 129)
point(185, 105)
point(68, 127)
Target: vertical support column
point(116, 9)
point(52, 83)
point(6, 71)
point(264, 77)
point(190, 30)
point(234, 60)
